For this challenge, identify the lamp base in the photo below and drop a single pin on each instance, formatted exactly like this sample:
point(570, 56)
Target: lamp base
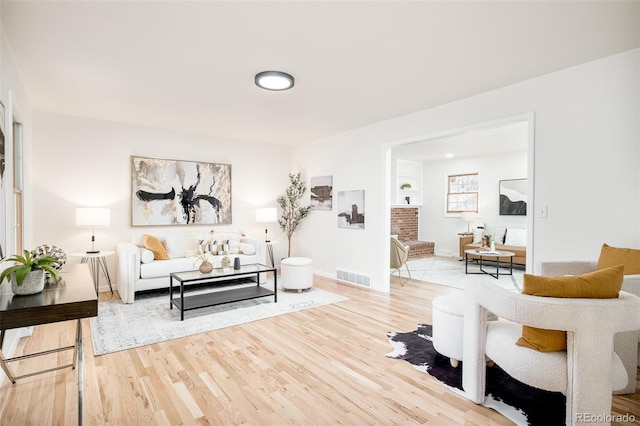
point(93, 251)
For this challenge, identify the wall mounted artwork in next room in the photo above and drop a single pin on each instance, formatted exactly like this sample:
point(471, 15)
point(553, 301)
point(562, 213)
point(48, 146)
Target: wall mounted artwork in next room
point(172, 192)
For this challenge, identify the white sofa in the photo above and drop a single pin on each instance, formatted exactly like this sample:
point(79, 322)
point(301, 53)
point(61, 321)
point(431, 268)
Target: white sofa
point(138, 271)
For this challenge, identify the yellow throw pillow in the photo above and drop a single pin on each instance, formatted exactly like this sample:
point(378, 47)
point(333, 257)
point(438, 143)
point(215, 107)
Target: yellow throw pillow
point(152, 243)
point(611, 256)
point(602, 284)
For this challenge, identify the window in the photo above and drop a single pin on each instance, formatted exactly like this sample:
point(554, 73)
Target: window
point(462, 193)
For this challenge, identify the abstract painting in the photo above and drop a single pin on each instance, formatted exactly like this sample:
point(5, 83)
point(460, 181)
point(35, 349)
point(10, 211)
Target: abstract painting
point(171, 192)
point(351, 209)
point(513, 197)
point(321, 193)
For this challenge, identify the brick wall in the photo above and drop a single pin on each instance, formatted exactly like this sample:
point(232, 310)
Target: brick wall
point(404, 223)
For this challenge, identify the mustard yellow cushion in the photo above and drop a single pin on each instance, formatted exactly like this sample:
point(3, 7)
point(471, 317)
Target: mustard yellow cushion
point(152, 243)
point(602, 284)
point(611, 256)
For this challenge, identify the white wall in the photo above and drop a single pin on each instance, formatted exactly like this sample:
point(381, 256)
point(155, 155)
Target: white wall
point(586, 165)
point(12, 95)
point(442, 228)
point(84, 162)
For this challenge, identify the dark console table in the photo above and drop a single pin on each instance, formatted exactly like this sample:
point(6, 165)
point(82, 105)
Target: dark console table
point(69, 297)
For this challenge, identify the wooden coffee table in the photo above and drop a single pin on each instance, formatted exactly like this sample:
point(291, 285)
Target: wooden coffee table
point(491, 256)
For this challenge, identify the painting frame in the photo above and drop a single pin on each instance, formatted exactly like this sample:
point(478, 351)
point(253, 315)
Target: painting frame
point(351, 209)
point(168, 192)
point(321, 193)
point(513, 197)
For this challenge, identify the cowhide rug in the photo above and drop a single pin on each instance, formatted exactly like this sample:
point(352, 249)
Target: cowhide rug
point(520, 403)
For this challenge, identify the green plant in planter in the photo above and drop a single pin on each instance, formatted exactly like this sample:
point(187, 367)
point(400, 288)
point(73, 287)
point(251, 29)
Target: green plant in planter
point(405, 186)
point(25, 264)
point(292, 212)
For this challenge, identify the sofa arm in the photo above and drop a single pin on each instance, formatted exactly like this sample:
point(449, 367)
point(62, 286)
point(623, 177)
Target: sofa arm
point(128, 270)
point(554, 269)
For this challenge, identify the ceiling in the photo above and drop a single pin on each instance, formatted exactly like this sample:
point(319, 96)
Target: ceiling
point(190, 65)
point(472, 143)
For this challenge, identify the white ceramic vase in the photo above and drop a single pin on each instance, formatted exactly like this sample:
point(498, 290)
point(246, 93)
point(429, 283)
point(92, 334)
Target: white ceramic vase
point(33, 283)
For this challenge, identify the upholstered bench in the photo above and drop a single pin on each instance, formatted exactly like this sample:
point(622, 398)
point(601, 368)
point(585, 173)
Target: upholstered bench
point(296, 273)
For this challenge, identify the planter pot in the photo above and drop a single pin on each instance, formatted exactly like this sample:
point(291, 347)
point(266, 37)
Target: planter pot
point(33, 283)
point(205, 267)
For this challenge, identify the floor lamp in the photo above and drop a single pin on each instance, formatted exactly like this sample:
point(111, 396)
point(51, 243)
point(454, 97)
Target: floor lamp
point(93, 217)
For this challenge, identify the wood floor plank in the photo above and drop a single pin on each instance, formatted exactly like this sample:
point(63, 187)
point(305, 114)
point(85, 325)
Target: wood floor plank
point(325, 365)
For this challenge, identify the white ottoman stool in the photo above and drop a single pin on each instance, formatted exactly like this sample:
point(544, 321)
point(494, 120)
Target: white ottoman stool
point(296, 273)
point(448, 326)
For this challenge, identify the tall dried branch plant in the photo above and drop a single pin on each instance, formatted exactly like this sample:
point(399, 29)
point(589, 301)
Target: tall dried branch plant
point(292, 212)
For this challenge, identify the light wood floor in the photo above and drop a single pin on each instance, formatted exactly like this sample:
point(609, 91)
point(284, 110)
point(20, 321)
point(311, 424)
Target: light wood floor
point(315, 367)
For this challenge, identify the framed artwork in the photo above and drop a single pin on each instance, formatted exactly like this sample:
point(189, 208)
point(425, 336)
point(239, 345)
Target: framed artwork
point(321, 193)
point(513, 197)
point(172, 192)
point(351, 209)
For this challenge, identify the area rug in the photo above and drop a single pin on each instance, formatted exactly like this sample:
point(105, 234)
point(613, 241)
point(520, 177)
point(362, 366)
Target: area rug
point(149, 320)
point(520, 403)
point(449, 272)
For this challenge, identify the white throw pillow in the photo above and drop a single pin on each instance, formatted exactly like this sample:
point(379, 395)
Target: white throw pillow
point(247, 248)
point(516, 237)
point(176, 246)
point(497, 232)
point(478, 233)
point(146, 255)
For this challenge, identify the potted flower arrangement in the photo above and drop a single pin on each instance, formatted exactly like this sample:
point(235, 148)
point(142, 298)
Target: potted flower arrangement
point(27, 275)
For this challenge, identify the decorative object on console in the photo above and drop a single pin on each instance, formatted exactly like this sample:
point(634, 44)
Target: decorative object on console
point(266, 215)
point(351, 209)
point(225, 262)
point(405, 186)
point(93, 217)
point(170, 192)
point(321, 193)
point(27, 275)
point(292, 212)
point(513, 197)
point(49, 250)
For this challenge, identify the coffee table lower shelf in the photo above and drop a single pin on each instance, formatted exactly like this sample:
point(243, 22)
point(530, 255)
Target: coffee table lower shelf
point(221, 297)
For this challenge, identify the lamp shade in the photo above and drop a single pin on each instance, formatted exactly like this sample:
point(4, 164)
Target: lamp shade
point(468, 216)
point(93, 217)
point(267, 215)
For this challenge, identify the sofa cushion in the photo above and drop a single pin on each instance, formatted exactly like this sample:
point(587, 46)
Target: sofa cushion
point(515, 237)
point(602, 284)
point(611, 256)
point(176, 245)
point(246, 248)
point(152, 243)
point(162, 268)
point(146, 255)
point(497, 232)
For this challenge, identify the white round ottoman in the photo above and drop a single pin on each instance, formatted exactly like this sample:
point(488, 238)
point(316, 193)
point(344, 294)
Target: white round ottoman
point(296, 273)
point(448, 326)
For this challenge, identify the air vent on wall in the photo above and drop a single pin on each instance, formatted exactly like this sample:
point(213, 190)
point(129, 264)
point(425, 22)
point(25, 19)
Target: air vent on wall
point(353, 278)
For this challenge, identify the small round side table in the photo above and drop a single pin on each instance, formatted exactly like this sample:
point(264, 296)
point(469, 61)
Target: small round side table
point(97, 262)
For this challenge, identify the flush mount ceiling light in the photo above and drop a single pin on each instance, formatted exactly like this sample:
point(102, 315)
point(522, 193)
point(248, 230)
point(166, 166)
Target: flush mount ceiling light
point(274, 80)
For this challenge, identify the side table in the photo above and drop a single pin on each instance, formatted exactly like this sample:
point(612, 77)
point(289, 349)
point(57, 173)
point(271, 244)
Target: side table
point(97, 262)
point(69, 297)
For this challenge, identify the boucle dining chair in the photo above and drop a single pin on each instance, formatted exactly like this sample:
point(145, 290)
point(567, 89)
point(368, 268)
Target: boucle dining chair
point(587, 372)
point(399, 253)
